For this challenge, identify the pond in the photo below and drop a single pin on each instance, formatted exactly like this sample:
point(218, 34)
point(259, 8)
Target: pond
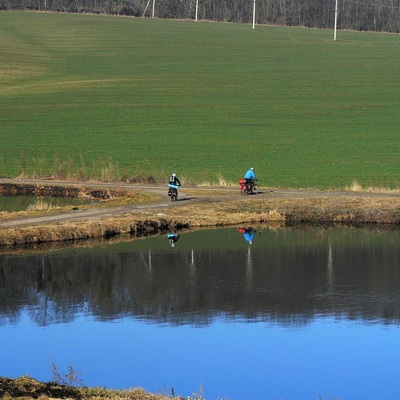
point(300, 313)
point(24, 203)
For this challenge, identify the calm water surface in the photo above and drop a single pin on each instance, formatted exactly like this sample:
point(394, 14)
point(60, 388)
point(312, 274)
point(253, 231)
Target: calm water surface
point(22, 203)
point(298, 314)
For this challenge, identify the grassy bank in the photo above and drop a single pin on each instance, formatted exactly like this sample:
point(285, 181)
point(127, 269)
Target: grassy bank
point(131, 98)
point(26, 388)
point(214, 211)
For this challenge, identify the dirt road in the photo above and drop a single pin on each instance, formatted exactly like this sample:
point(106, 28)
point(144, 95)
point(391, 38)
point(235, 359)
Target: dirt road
point(187, 195)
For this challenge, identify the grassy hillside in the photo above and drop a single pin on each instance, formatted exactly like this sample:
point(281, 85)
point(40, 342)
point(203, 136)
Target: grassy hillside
point(124, 97)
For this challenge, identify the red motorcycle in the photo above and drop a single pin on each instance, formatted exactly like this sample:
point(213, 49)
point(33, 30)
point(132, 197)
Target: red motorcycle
point(250, 188)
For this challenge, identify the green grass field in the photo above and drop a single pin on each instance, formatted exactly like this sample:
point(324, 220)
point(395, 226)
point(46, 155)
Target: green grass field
point(119, 97)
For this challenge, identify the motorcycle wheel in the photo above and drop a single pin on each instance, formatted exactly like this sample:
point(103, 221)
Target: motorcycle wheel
point(243, 191)
point(174, 196)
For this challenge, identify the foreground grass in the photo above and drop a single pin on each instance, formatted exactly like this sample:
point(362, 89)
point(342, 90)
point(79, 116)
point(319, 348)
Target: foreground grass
point(109, 97)
point(26, 388)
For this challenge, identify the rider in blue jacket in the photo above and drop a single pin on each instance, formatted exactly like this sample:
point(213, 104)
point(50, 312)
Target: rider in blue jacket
point(250, 177)
point(174, 181)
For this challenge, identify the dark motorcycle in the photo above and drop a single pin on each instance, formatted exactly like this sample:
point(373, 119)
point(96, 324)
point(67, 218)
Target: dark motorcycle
point(173, 191)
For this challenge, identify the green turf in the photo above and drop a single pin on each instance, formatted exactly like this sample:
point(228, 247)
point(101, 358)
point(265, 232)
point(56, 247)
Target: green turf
point(153, 97)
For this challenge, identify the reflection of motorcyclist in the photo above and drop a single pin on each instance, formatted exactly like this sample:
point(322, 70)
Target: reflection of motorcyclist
point(173, 238)
point(250, 177)
point(173, 184)
point(248, 234)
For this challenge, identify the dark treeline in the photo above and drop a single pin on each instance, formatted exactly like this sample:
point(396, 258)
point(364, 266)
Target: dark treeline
point(365, 15)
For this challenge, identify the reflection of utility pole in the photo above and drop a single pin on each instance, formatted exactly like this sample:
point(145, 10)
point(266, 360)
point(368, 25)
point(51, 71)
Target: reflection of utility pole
point(43, 274)
point(42, 312)
point(330, 273)
point(148, 264)
point(192, 270)
point(249, 270)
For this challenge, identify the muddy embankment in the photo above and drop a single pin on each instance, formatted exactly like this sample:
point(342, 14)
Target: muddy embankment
point(126, 212)
point(38, 190)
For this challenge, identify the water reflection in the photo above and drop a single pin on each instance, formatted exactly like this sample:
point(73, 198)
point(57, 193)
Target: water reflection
point(173, 238)
point(288, 276)
point(248, 234)
point(297, 314)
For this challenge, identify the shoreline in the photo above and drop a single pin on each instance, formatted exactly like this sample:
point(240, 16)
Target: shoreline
point(139, 211)
point(28, 388)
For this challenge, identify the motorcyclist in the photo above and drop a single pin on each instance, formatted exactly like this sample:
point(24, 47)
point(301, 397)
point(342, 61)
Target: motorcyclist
point(250, 177)
point(173, 180)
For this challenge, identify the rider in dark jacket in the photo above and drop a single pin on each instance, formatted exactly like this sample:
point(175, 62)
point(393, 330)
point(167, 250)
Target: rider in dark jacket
point(173, 180)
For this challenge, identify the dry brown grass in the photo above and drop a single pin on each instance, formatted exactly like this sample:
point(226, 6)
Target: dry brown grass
point(351, 209)
point(27, 388)
point(225, 212)
point(135, 223)
point(221, 181)
point(40, 205)
point(357, 187)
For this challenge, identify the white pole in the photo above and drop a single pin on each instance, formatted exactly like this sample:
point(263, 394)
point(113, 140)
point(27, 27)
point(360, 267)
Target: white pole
point(152, 13)
point(145, 9)
point(336, 13)
point(197, 9)
point(254, 12)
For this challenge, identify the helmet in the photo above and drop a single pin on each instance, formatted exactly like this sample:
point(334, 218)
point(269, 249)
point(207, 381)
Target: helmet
point(174, 175)
point(252, 168)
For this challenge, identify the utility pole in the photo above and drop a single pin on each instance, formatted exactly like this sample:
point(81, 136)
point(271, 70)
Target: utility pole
point(254, 13)
point(336, 15)
point(145, 9)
